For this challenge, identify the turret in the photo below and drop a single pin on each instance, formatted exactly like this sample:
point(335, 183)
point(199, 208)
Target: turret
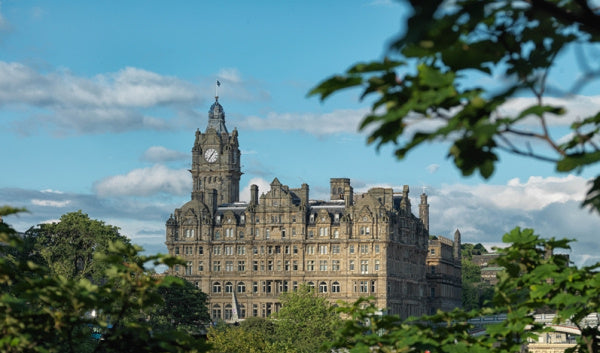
point(253, 195)
point(424, 211)
point(405, 203)
point(456, 245)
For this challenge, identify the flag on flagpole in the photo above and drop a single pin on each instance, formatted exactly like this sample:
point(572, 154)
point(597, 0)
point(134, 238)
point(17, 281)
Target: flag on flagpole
point(218, 83)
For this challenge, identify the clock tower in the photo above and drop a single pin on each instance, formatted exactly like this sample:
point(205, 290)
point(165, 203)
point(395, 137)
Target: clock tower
point(216, 159)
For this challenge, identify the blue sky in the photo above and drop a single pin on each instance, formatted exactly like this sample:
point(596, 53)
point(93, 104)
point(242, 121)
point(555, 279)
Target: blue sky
point(99, 102)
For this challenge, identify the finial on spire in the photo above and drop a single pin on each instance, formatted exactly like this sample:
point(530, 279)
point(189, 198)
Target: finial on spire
point(217, 90)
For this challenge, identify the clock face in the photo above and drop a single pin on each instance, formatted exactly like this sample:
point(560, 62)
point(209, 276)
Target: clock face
point(211, 155)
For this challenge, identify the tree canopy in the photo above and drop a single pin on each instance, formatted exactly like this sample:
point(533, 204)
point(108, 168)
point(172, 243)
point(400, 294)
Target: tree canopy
point(46, 312)
point(68, 246)
point(421, 91)
point(305, 322)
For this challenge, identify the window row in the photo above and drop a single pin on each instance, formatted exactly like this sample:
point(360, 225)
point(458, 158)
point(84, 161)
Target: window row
point(277, 286)
point(322, 249)
point(287, 265)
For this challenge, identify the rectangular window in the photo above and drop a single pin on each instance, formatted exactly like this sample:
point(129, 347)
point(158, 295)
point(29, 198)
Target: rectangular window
point(278, 265)
point(255, 250)
point(254, 288)
point(287, 249)
point(200, 250)
point(310, 250)
point(323, 249)
point(376, 265)
point(217, 250)
point(295, 265)
point(310, 265)
point(216, 266)
point(351, 265)
point(229, 266)
point(228, 250)
point(311, 233)
point(364, 286)
point(254, 265)
point(351, 249)
point(287, 265)
point(241, 250)
point(177, 250)
point(364, 266)
point(323, 265)
point(335, 265)
point(277, 249)
point(241, 266)
point(295, 249)
point(200, 266)
point(335, 249)
point(336, 234)
point(376, 248)
point(293, 231)
point(364, 249)
point(188, 268)
point(270, 265)
point(267, 234)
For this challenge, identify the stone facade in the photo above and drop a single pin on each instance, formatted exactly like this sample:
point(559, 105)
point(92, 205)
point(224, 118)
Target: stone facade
point(244, 254)
point(444, 273)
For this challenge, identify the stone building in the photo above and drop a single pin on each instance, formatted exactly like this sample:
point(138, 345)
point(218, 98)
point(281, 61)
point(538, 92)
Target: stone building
point(444, 272)
point(244, 254)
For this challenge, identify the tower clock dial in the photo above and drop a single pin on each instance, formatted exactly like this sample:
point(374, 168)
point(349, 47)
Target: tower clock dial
point(211, 155)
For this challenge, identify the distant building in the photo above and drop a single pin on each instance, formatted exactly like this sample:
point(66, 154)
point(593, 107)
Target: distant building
point(244, 254)
point(489, 271)
point(444, 273)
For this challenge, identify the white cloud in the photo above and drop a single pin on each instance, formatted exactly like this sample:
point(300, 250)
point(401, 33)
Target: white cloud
point(146, 182)
point(50, 203)
point(108, 102)
point(577, 108)
point(550, 205)
point(338, 121)
point(156, 154)
point(263, 187)
point(230, 74)
point(432, 168)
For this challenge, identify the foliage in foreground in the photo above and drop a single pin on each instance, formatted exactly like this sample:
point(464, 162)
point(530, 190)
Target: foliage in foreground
point(533, 281)
point(44, 312)
point(425, 91)
point(304, 323)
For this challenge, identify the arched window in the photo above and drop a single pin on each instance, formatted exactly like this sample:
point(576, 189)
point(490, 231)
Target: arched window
point(216, 312)
point(242, 312)
point(335, 287)
point(322, 287)
point(228, 287)
point(241, 287)
point(217, 287)
point(311, 285)
point(228, 312)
